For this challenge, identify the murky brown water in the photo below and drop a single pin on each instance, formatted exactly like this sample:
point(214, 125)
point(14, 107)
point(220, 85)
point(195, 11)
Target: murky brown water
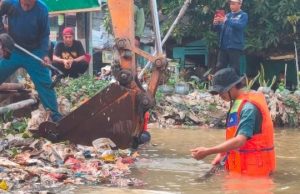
point(168, 167)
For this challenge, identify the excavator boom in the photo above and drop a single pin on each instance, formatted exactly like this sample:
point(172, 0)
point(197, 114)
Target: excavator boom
point(117, 112)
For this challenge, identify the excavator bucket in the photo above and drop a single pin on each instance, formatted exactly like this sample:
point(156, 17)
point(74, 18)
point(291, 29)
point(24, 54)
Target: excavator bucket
point(116, 112)
point(111, 114)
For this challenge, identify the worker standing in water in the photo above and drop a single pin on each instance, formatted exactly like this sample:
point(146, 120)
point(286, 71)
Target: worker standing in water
point(249, 145)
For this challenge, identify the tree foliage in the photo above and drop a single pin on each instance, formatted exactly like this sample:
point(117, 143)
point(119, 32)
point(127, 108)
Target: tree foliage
point(269, 29)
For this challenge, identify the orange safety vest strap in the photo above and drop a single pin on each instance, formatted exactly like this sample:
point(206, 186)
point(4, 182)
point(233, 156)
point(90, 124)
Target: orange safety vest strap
point(235, 116)
point(256, 150)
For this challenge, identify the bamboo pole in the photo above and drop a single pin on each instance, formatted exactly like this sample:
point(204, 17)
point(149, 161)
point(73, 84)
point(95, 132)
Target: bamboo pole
point(17, 105)
point(285, 72)
point(11, 86)
point(296, 63)
point(180, 15)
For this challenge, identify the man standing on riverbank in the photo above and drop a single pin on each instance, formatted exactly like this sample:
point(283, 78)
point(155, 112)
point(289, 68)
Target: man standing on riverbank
point(231, 35)
point(28, 25)
point(249, 145)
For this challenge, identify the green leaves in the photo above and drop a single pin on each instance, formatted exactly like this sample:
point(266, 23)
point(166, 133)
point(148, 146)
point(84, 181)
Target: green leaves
point(15, 126)
point(269, 26)
point(293, 20)
point(250, 83)
point(81, 88)
point(19, 126)
point(262, 78)
point(6, 117)
point(272, 24)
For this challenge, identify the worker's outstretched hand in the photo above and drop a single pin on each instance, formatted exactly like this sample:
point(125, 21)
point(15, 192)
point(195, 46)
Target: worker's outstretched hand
point(199, 153)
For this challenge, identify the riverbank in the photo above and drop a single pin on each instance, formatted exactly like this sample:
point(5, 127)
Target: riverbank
point(37, 164)
point(198, 108)
point(202, 109)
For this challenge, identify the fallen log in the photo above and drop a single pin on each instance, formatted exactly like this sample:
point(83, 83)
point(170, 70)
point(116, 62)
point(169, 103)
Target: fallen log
point(17, 105)
point(11, 86)
point(12, 92)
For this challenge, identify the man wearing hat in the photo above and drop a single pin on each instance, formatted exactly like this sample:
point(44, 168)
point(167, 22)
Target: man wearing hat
point(249, 145)
point(231, 36)
point(69, 56)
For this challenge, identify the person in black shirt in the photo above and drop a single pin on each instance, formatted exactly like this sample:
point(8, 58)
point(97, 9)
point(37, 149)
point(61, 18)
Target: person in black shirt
point(51, 50)
point(69, 56)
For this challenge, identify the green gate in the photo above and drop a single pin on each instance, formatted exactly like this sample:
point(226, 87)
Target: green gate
point(63, 6)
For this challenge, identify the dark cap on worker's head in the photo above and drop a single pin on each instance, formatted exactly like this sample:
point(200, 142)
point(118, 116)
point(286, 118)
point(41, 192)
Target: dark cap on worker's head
point(224, 80)
point(68, 31)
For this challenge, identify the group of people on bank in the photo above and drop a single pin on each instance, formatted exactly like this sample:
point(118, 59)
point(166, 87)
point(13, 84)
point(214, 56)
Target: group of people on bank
point(249, 145)
point(28, 25)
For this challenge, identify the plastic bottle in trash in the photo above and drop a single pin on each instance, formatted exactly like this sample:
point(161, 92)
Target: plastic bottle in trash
point(21, 79)
point(3, 144)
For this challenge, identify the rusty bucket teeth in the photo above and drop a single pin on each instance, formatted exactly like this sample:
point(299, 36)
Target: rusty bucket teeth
point(49, 129)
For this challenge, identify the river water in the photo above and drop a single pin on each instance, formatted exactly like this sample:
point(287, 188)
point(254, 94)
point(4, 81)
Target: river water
point(167, 167)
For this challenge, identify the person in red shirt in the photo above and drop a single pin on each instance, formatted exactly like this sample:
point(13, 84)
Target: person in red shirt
point(144, 136)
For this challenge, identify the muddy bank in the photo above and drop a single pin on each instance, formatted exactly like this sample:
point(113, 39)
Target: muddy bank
point(197, 108)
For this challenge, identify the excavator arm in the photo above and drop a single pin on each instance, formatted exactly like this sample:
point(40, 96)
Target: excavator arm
point(122, 16)
point(117, 112)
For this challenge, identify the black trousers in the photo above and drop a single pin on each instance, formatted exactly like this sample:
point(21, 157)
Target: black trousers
point(75, 71)
point(229, 58)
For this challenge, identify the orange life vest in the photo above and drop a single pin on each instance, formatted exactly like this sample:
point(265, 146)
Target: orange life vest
point(257, 156)
point(146, 120)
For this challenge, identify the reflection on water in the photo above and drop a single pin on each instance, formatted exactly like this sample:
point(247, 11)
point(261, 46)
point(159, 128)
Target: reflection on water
point(167, 165)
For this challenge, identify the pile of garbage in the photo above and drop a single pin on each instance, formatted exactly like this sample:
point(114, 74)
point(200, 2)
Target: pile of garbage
point(284, 108)
point(194, 109)
point(202, 109)
point(29, 165)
